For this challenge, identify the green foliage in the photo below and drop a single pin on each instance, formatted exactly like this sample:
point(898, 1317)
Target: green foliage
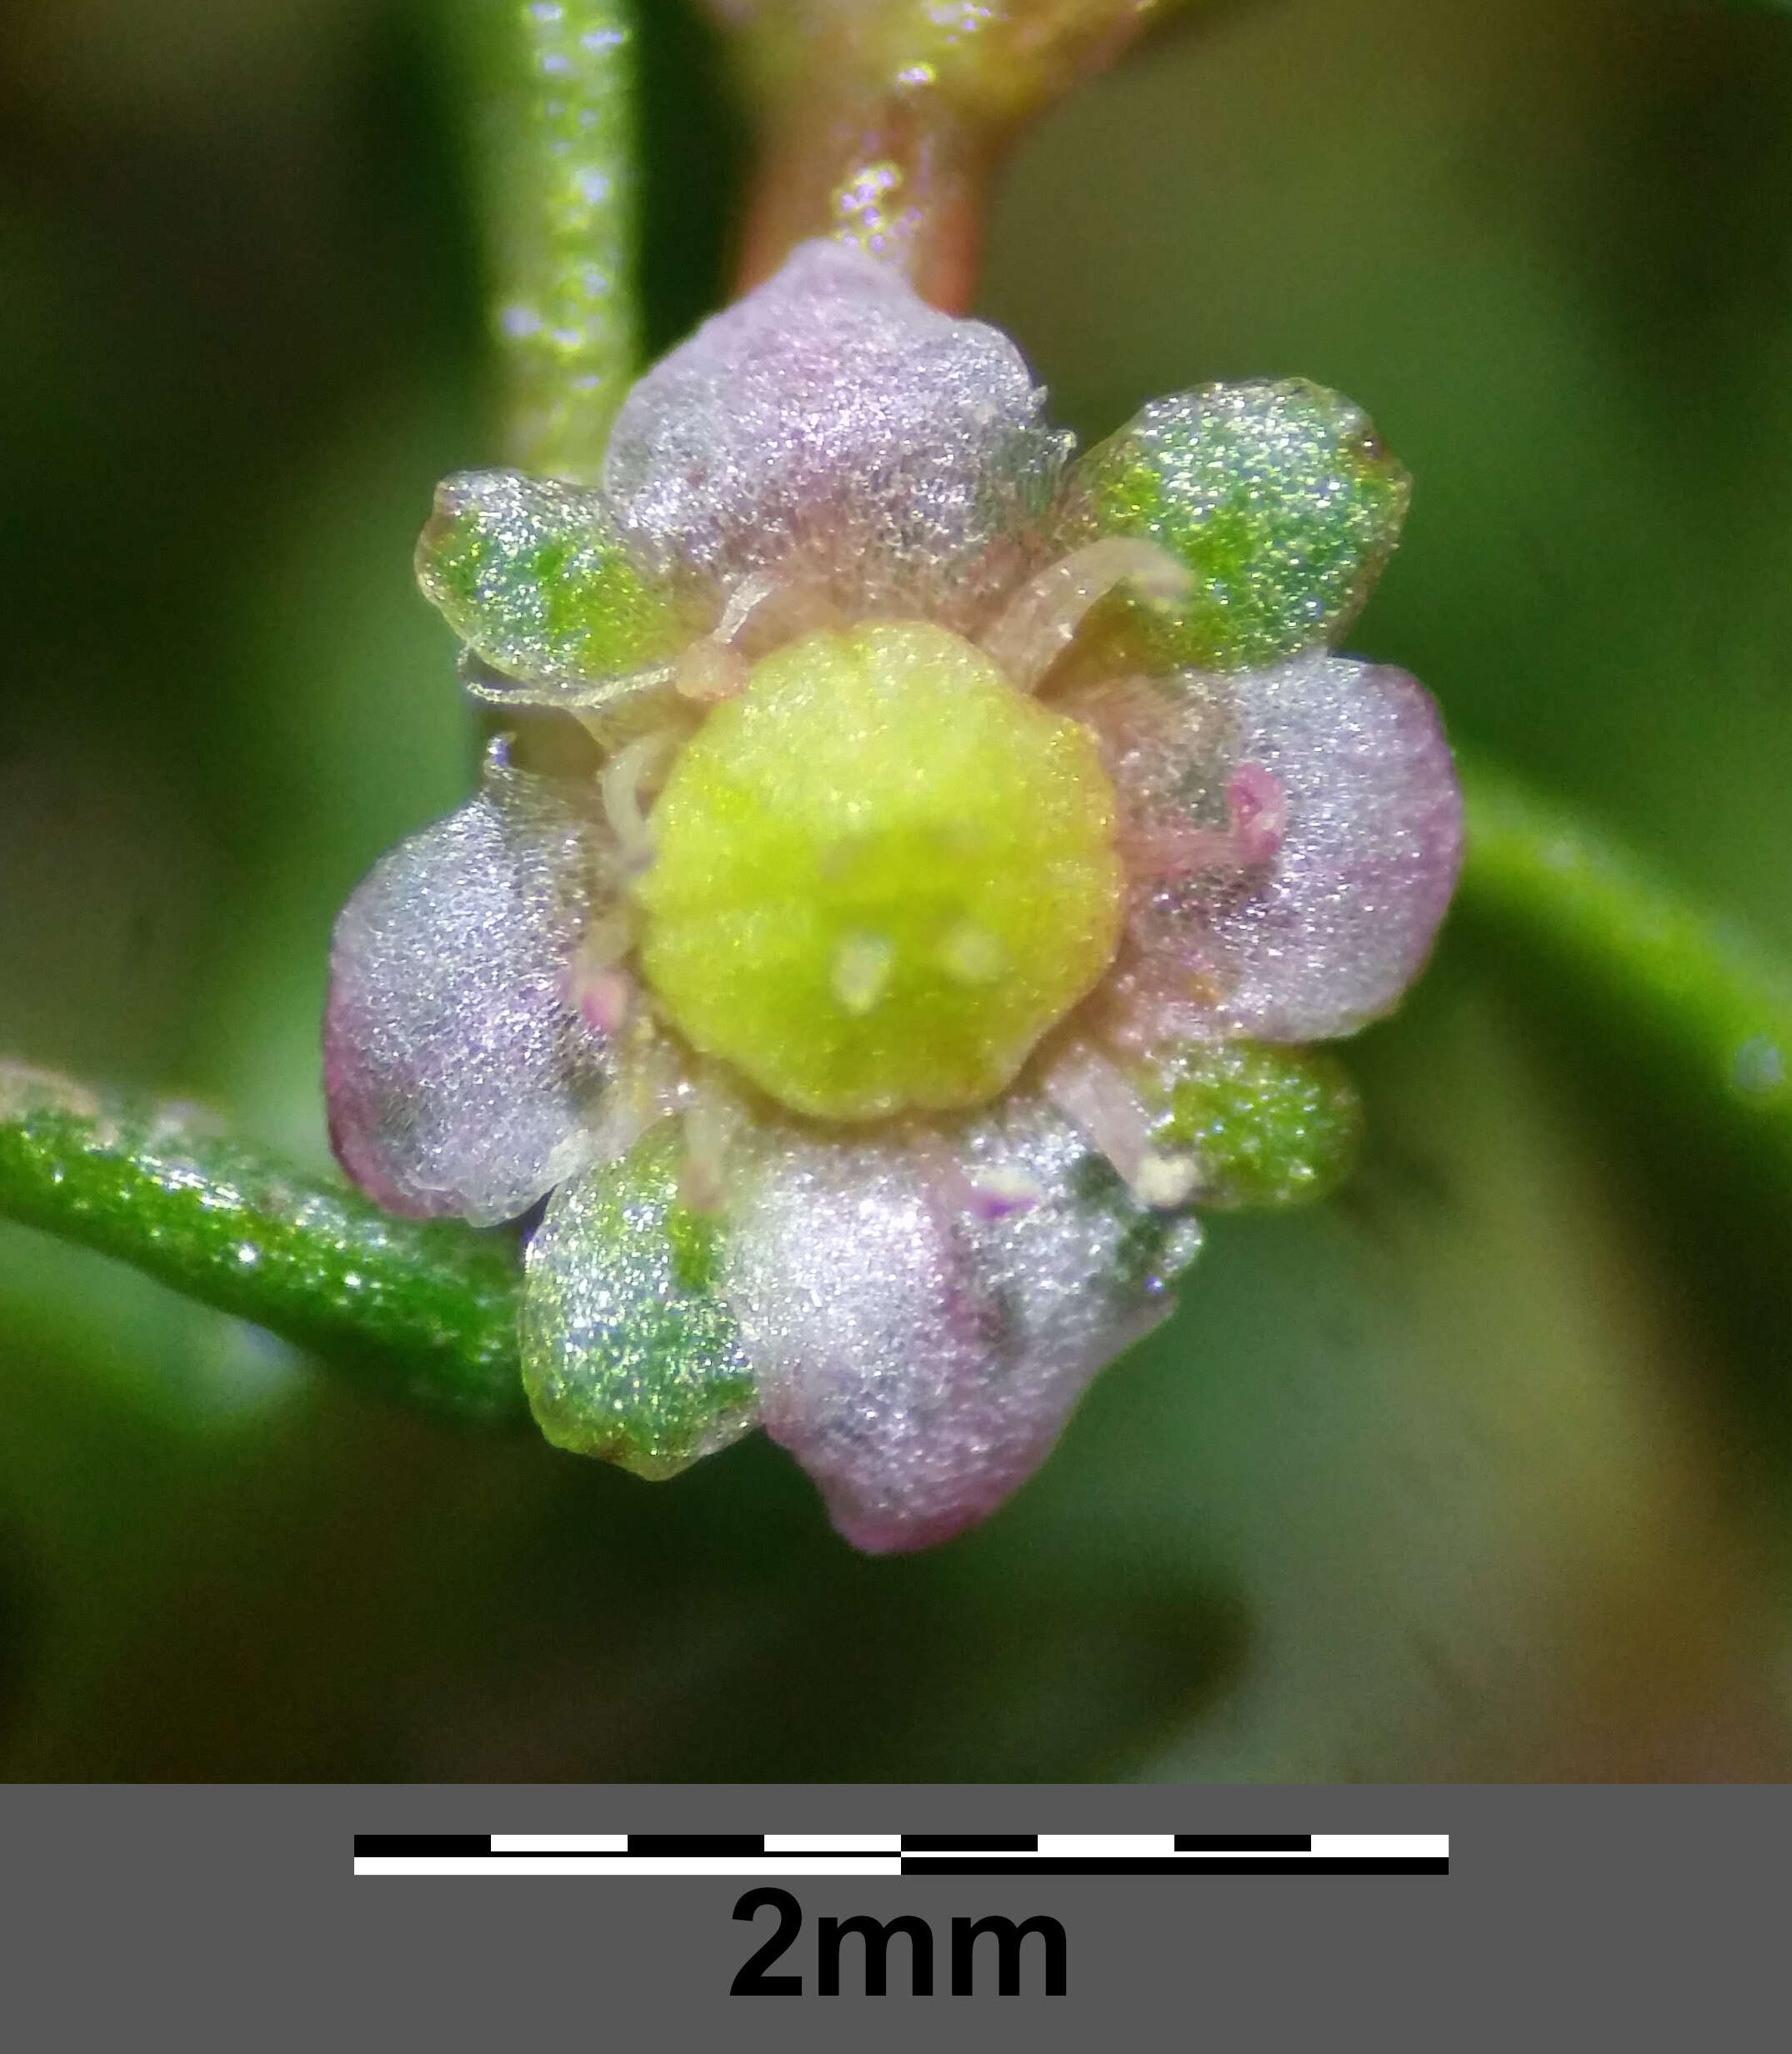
point(550, 100)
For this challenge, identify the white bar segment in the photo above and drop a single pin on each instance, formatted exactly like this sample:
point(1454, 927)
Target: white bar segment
point(833, 1843)
point(628, 1864)
point(559, 1843)
point(1106, 1844)
point(1390, 1846)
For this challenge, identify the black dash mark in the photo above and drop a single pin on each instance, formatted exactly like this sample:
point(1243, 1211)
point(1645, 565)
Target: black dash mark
point(1171, 1865)
point(1244, 1843)
point(423, 1843)
point(970, 1843)
point(696, 1843)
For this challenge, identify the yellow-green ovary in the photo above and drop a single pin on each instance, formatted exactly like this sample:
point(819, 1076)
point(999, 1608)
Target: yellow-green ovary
point(880, 874)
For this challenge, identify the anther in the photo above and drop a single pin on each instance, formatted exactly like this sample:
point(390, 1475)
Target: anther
point(712, 668)
point(1103, 1108)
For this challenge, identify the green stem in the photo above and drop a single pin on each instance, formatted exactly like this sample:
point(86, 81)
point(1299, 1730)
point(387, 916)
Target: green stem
point(1660, 968)
point(549, 85)
point(425, 1312)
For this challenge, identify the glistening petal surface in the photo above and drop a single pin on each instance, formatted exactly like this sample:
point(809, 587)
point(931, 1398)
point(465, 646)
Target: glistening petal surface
point(834, 432)
point(455, 1070)
point(1325, 935)
point(923, 1315)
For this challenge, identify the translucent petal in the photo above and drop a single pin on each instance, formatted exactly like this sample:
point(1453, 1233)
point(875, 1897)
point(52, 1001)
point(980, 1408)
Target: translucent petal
point(833, 430)
point(530, 572)
point(629, 1351)
point(1326, 931)
point(1276, 497)
point(924, 1312)
point(456, 1070)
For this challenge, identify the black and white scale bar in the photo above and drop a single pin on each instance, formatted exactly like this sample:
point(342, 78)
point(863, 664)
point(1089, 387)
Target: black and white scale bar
point(901, 1854)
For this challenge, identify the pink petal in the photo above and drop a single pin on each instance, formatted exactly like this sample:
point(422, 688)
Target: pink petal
point(456, 1069)
point(1345, 807)
point(917, 1350)
point(834, 430)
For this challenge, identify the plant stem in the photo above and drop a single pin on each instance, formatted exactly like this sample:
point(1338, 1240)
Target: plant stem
point(549, 85)
point(1661, 967)
point(425, 1312)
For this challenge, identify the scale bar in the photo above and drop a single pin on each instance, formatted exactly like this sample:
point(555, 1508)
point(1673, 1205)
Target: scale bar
point(771, 1855)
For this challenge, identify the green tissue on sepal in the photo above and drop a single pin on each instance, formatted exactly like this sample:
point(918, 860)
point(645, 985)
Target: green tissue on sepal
point(629, 1351)
point(1277, 498)
point(1268, 1126)
point(529, 573)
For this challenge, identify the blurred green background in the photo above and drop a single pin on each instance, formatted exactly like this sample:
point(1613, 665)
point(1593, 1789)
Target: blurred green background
point(1483, 1471)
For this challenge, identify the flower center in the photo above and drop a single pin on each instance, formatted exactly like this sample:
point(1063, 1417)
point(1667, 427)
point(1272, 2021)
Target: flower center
point(879, 874)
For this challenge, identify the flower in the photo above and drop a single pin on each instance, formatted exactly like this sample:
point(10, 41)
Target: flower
point(971, 836)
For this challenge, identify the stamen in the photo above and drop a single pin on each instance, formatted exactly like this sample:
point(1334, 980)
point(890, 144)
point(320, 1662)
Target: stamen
point(1166, 1180)
point(743, 602)
point(1040, 624)
point(986, 1192)
point(712, 1120)
point(649, 1084)
point(1258, 810)
point(620, 784)
point(608, 940)
point(595, 986)
point(709, 673)
point(1098, 1102)
point(997, 1194)
point(712, 669)
point(604, 1000)
point(1258, 807)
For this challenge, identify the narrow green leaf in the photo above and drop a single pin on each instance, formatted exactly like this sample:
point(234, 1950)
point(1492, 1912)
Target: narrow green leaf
point(1660, 967)
point(424, 1312)
point(550, 94)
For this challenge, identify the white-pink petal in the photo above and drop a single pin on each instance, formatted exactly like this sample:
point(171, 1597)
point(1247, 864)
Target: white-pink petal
point(457, 1066)
point(918, 1349)
point(1344, 806)
point(832, 429)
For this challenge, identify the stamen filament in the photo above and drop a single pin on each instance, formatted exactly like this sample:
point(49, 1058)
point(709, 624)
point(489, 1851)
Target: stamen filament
point(1042, 621)
point(620, 785)
point(1103, 1108)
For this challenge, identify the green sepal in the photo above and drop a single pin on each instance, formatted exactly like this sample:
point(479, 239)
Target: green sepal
point(1274, 494)
point(630, 1352)
point(1268, 1126)
point(532, 575)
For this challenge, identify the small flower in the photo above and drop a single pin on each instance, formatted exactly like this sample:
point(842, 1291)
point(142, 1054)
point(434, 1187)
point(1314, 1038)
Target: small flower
point(972, 833)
